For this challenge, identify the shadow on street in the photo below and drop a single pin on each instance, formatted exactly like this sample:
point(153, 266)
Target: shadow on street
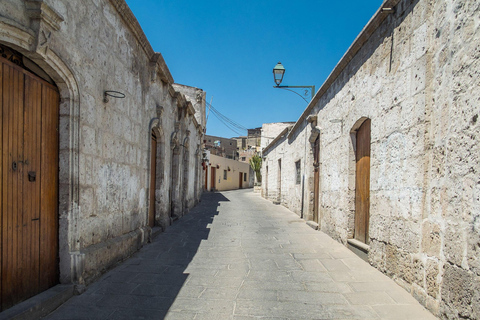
point(146, 285)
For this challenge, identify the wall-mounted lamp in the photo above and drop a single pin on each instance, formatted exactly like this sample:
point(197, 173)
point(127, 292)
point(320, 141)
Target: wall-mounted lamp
point(279, 71)
point(113, 94)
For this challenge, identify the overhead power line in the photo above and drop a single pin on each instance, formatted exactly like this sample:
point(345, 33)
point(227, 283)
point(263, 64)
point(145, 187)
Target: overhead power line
point(229, 123)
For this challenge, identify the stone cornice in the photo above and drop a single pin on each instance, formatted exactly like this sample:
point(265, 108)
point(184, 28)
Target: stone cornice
point(132, 23)
point(171, 91)
point(161, 67)
point(190, 108)
point(37, 9)
point(375, 22)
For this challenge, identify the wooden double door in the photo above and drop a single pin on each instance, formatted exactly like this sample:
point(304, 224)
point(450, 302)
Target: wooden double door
point(28, 184)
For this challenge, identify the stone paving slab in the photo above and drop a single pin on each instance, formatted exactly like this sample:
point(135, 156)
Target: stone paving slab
point(238, 256)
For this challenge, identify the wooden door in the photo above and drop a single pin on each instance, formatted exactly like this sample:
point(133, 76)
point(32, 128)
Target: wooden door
point(212, 183)
point(206, 177)
point(153, 180)
point(29, 184)
point(240, 179)
point(266, 181)
point(316, 178)
point(362, 182)
point(279, 180)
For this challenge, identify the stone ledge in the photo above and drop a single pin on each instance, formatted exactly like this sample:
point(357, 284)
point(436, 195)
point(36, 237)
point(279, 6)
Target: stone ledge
point(40, 305)
point(359, 248)
point(103, 256)
point(312, 224)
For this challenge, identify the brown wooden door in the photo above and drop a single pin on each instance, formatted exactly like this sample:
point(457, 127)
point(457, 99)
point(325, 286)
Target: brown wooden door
point(153, 180)
point(206, 177)
point(266, 181)
point(316, 178)
point(212, 183)
point(279, 180)
point(362, 182)
point(240, 179)
point(29, 184)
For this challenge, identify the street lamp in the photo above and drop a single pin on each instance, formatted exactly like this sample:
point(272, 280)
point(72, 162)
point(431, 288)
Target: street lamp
point(278, 72)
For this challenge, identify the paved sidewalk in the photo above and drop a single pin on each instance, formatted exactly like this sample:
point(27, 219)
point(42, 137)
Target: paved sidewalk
point(238, 256)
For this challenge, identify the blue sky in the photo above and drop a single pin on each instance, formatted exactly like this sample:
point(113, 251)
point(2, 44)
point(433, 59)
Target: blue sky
point(229, 48)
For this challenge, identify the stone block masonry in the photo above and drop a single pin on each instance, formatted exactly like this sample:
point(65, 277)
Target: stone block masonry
point(414, 75)
point(112, 189)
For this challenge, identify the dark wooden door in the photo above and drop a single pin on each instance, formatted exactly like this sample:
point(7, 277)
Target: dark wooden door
point(316, 178)
point(212, 183)
point(29, 184)
point(240, 180)
point(206, 177)
point(153, 180)
point(266, 181)
point(362, 182)
point(279, 180)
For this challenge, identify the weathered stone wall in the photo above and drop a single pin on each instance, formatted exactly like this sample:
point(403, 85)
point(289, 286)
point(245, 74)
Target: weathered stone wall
point(416, 79)
point(89, 47)
point(271, 130)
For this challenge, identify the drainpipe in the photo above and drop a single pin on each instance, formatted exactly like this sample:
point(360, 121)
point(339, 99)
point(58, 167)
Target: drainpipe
point(304, 169)
point(313, 121)
point(303, 193)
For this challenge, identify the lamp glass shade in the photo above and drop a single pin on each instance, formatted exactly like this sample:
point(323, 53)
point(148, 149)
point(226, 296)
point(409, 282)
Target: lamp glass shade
point(278, 72)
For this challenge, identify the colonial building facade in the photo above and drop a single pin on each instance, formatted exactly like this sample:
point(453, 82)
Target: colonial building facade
point(98, 146)
point(385, 158)
point(223, 174)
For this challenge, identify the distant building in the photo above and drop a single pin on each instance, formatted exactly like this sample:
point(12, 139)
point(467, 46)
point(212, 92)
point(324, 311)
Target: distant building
point(227, 174)
point(249, 146)
point(241, 142)
point(223, 147)
point(253, 139)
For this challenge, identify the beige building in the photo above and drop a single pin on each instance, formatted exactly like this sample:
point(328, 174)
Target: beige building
point(106, 148)
point(385, 158)
point(227, 174)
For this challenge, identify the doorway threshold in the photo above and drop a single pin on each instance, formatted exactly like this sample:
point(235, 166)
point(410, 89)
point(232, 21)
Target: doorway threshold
point(359, 248)
point(40, 305)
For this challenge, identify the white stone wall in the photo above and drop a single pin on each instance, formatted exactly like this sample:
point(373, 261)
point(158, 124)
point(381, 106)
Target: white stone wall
point(105, 146)
point(416, 78)
point(270, 131)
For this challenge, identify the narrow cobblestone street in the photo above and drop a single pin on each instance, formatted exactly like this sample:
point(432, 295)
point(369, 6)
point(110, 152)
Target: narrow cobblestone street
point(238, 256)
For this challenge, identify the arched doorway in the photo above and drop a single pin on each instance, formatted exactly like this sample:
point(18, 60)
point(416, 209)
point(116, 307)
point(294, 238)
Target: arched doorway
point(29, 117)
point(186, 173)
point(153, 179)
point(362, 182)
point(279, 181)
point(316, 178)
point(174, 177)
